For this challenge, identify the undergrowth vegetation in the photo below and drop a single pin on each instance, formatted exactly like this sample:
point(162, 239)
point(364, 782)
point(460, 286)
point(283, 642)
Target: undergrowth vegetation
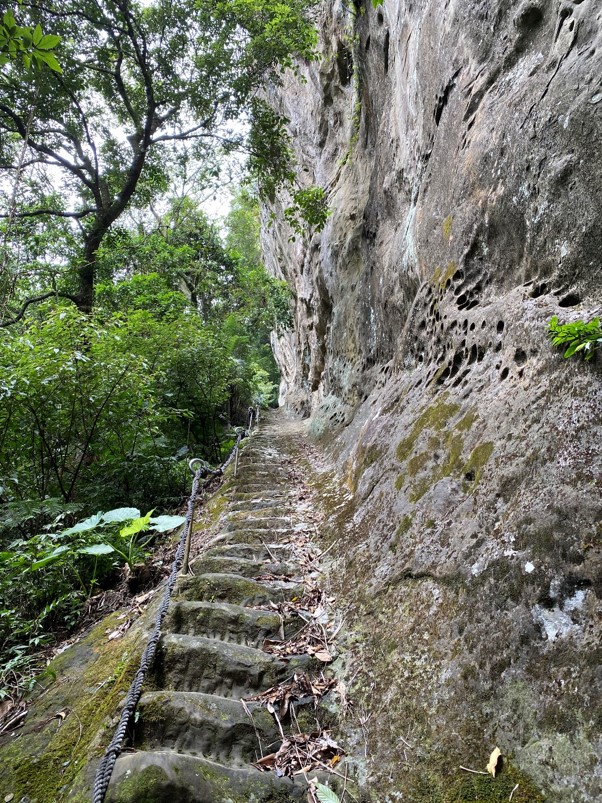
point(102, 411)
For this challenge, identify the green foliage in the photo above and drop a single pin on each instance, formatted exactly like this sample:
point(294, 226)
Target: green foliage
point(579, 337)
point(377, 3)
point(128, 542)
point(309, 208)
point(44, 579)
point(272, 166)
point(144, 88)
point(28, 45)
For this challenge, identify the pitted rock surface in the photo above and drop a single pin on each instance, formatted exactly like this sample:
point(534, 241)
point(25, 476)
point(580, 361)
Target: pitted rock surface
point(458, 142)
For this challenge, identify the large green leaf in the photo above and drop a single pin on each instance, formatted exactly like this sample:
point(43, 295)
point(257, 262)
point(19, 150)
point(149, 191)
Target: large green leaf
point(136, 526)
point(84, 526)
point(96, 549)
point(164, 523)
point(121, 514)
point(52, 558)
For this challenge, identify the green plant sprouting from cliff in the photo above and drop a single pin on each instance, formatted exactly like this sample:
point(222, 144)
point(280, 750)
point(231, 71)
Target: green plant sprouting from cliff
point(577, 337)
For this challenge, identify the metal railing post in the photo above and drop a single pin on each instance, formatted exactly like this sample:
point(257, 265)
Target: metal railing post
point(186, 557)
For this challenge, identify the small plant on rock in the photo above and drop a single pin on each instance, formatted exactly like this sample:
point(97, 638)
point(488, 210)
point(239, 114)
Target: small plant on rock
point(578, 337)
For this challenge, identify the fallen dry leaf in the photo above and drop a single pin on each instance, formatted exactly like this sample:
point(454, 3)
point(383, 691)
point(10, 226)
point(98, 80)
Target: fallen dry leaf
point(494, 759)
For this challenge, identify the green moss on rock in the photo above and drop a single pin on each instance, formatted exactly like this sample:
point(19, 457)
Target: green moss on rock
point(435, 417)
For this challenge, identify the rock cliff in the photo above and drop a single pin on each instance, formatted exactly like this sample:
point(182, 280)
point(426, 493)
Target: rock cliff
point(459, 142)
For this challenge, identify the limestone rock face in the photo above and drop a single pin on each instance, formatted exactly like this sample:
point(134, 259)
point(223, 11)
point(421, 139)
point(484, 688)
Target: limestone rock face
point(459, 142)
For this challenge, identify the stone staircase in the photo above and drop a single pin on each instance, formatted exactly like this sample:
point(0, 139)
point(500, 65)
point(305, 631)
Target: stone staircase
point(193, 740)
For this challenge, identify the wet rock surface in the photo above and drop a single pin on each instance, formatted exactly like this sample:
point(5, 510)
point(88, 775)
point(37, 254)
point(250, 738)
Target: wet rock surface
point(458, 144)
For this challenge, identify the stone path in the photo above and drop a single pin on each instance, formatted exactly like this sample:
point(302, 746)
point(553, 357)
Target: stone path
point(194, 742)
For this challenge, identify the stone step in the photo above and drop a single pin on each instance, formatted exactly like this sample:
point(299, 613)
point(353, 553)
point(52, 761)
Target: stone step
point(196, 663)
point(249, 534)
point(223, 587)
point(245, 567)
point(267, 523)
point(233, 623)
point(254, 503)
point(275, 496)
point(164, 776)
point(259, 515)
point(259, 552)
point(214, 727)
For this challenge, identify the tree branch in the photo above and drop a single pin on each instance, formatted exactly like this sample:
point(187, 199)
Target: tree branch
point(35, 300)
point(40, 148)
point(55, 212)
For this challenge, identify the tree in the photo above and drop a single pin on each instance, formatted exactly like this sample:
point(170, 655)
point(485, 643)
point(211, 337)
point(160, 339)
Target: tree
point(139, 82)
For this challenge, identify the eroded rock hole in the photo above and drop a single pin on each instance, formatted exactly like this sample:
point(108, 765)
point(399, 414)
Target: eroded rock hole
point(529, 17)
point(367, 47)
point(504, 374)
point(461, 378)
point(344, 64)
point(386, 50)
point(570, 300)
point(500, 327)
point(380, 18)
point(539, 290)
point(520, 357)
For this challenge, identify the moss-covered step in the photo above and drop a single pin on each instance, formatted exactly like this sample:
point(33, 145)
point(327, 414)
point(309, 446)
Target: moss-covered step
point(222, 587)
point(256, 502)
point(248, 534)
point(222, 620)
point(258, 551)
point(245, 567)
point(195, 663)
point(262, 494)
point(206, 725)
point(257, 518)
point(166, 777)
point(252, 485)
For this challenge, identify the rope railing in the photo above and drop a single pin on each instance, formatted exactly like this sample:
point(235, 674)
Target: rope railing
point(107, 764)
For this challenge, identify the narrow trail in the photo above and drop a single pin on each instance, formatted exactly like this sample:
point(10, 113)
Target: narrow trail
point(194, 740)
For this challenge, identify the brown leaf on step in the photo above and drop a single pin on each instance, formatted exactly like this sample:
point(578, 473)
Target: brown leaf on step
point(142, 598)
point(300, 687)
point(302, 752)
point(495, 760)
point(266, 763)
point(120, 631)
point(312, 639)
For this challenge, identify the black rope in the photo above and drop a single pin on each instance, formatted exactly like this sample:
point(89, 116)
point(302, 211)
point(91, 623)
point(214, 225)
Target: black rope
point(107, 764)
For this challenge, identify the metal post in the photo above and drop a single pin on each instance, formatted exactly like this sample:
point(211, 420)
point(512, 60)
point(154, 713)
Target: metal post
point(236, 459)
point(257, 414)
point(187, 543)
